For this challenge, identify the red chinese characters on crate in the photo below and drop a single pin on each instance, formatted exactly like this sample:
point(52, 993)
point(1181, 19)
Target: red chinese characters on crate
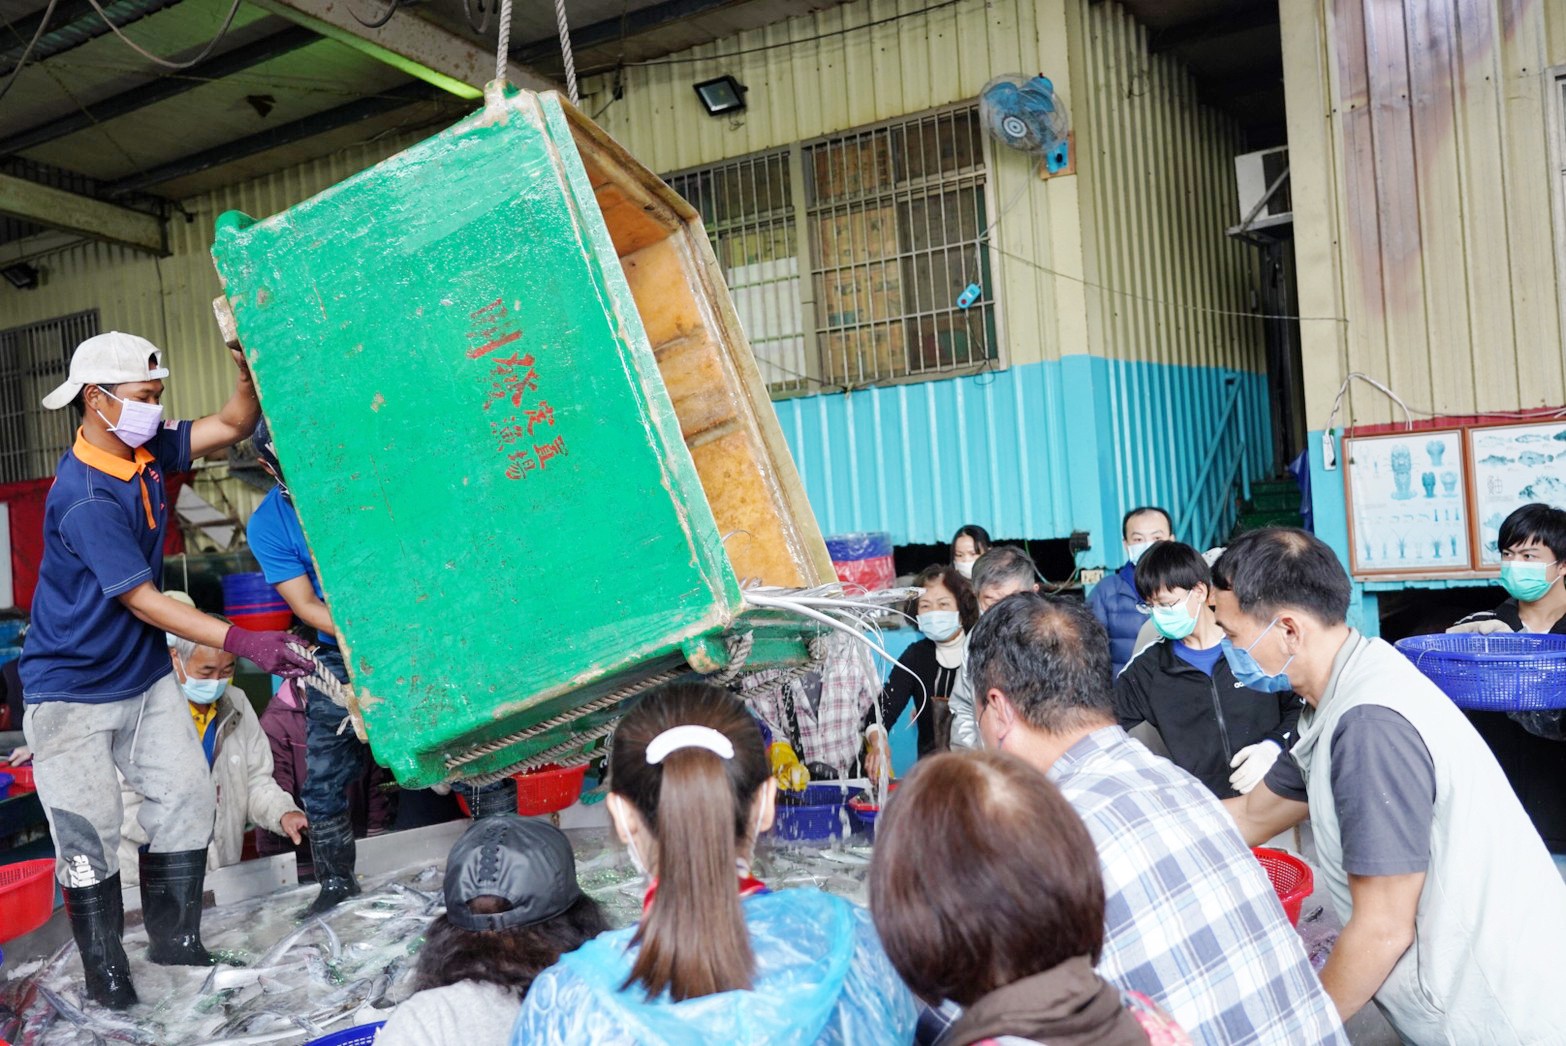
point(514, 382)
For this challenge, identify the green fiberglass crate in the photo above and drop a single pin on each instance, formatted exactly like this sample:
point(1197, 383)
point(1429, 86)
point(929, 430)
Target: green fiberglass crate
point(530, 450)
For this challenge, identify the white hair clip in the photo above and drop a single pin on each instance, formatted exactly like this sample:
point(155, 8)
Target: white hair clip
point(678, 737)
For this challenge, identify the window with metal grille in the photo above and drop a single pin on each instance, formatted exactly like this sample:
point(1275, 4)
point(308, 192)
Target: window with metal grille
point(33, 360)
point(747, 206)
point(893, 216)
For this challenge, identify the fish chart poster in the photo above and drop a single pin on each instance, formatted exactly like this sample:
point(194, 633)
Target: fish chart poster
point(1513, 466)
point(1408, 503)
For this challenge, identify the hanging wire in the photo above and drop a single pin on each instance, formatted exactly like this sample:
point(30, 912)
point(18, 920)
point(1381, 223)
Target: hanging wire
point(503, 42)
point(28, 50)
point(376, 23)
point(164, 62)
point(481, 24)
point(565, 51)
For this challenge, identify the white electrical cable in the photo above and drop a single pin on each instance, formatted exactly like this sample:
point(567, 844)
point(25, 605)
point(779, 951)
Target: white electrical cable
point(565, 51)
point(1409, 412)
point(503, 42)
point(164, 62)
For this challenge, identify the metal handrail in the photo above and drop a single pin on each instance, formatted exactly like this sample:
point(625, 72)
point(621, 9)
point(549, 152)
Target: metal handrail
point(1202, 491)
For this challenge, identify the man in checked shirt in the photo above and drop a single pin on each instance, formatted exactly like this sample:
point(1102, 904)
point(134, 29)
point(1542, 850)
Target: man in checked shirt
point(1190, 918)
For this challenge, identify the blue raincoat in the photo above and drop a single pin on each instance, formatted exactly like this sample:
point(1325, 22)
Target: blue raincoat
point(821, 977)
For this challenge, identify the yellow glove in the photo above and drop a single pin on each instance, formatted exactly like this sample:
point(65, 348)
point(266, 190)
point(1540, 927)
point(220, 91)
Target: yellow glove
point(786, 767)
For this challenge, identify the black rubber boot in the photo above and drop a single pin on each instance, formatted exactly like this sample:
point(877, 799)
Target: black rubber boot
point(97, 915)
point(332, 848)
point(171, 907)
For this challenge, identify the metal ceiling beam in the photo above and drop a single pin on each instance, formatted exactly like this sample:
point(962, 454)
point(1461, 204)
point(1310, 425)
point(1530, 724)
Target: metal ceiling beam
point(74, 23)
point(162, 89)
point(285, 134)
point(1214, 29)
point(633, 24)
point(407, 42)
point(72, 212)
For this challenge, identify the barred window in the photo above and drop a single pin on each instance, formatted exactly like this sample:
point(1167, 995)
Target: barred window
point(893, 217)
point(34, 360)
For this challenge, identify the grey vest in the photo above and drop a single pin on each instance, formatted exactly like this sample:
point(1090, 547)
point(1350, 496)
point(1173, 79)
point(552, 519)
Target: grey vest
point(1489, 952)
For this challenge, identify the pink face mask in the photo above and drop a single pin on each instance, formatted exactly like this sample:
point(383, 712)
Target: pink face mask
point(138, 421)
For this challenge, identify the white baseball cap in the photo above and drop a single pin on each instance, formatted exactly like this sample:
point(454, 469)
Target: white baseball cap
point(109, 359)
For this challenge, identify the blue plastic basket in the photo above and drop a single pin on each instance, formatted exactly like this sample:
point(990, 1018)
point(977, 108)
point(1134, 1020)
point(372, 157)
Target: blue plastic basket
point(819, 812)
point(359, 1035)
point(1499, 672)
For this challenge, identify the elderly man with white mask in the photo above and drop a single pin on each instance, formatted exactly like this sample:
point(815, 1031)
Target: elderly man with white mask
point(236, 752)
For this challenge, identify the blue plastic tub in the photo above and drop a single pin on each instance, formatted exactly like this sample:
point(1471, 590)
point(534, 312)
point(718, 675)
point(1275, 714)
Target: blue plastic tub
point(359, 1035)
point(6, 781)
point(1499, 672)
point(819, 812)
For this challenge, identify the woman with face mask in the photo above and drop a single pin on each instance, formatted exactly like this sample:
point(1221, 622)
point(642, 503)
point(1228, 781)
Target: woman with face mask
point(1532, 544)
point(969, 543)
point(717, 957)
point(945, 611)
point(1223, 726)
point(238, 757)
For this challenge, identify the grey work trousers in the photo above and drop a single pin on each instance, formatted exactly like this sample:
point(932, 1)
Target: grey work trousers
point(79, 751)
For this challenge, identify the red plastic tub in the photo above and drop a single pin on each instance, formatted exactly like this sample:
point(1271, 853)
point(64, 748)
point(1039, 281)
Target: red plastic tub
point(1291, 878)
point(26, 896)
point(545, 791)
point(267, 621)
point(22, 778)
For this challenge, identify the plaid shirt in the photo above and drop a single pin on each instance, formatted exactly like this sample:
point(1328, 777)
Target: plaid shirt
point(1190, 920)
point(829, 731)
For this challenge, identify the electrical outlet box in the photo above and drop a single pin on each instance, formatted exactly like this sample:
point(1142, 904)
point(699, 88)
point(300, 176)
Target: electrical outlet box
point(1080, 541)
point(1093, 576)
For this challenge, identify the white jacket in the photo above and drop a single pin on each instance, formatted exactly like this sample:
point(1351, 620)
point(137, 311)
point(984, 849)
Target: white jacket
point(246, 792)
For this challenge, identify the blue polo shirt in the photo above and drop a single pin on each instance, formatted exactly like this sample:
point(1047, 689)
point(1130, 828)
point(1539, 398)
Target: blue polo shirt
point(278, 543)
point(105, 521)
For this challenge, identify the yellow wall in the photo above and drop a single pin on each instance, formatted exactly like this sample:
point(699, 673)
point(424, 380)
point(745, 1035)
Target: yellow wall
point(1080, 256)
point(1159, 192)
point(1423, 202)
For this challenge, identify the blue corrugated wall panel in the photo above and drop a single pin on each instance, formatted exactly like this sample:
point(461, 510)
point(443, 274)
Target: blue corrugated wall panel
point(1030, 451)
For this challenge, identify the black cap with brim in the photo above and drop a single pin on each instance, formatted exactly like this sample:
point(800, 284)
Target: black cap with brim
point(527, 863)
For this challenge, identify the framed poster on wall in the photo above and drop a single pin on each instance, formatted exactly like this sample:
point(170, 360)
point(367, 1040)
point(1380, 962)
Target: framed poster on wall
point(1513, 465)
point(1408, 503)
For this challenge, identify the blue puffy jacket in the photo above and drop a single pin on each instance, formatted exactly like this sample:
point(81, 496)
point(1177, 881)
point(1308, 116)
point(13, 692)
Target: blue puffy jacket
point(1113, 602)
point(821, 977)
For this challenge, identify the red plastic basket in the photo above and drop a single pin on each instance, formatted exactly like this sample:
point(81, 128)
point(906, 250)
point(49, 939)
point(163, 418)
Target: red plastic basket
point(265, 621)
point(22, 778)
point(26, 896)
point(1291, 878)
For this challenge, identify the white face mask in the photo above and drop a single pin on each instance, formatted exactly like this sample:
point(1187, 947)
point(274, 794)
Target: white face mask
point(1135, 552)
point(965, 567)
point(138, 421)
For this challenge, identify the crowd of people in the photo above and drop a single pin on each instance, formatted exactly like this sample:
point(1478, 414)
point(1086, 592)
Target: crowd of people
point(1039, 877)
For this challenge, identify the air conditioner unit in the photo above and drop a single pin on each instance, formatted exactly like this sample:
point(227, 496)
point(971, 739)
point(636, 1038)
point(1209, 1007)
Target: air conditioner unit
point(1254, 174)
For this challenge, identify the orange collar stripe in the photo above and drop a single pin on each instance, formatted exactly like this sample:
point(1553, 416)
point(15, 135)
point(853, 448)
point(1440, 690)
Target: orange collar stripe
point(100, 459)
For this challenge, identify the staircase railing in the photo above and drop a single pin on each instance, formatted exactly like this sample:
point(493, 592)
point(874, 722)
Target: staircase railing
point(1211, 512)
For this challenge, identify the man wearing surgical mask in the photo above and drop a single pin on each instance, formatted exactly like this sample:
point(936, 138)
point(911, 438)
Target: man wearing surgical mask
point(237, 754)
point(100, 691)
point(1217, 729)
point(1533, 562)
point(1455, 914)
point(1114, 600)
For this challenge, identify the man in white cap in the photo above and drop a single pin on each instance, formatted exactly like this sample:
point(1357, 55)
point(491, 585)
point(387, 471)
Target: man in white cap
point(96, 675)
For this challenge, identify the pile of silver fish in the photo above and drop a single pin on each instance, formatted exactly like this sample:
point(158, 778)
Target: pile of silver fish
point(283, 978)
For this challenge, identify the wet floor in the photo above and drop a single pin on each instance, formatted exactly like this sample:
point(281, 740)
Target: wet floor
point(285, 979)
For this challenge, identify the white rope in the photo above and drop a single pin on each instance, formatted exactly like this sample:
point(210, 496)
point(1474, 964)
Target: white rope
point(503, 44)
point(565, 51)
point(164, 62)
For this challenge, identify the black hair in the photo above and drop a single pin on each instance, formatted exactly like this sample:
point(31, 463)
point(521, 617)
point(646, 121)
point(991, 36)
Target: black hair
point(1004, 563)
point(1049, 656)
point(977, 534)
point(1170, 565)
point(1278, 568)
point(80, 400)
point(508, 958)
point(1125, 520)
point(1536, 522)
point(962, 591)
